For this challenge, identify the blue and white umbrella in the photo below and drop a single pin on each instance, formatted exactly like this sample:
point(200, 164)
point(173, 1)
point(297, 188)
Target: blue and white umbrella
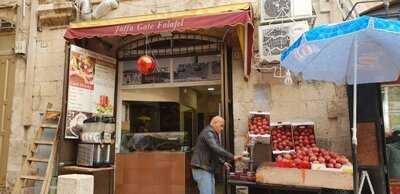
point(363, 50)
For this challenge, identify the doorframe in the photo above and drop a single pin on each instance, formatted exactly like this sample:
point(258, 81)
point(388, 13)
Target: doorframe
point(227, 106)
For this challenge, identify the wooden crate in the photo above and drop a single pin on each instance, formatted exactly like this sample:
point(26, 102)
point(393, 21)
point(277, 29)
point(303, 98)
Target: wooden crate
point(269, 174)
point(394, 186)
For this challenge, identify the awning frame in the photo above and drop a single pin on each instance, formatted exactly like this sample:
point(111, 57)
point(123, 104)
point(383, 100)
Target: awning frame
point(235, 15)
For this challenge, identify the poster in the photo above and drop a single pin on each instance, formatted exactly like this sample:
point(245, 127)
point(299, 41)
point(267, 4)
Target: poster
point(184, 69)
point(91, 88)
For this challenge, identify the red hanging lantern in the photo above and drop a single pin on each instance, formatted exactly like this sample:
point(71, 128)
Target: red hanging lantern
point(146, 64)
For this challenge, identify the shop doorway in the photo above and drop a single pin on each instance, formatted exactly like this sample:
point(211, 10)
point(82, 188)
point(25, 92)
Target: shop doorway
point(7, 72)
point(7, 77)
point(171, 124)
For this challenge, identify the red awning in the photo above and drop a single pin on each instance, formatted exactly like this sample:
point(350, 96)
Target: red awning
point(132, 26)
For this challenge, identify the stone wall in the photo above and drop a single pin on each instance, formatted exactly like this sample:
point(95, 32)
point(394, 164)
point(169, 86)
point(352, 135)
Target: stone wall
point(323, 103)
point(308, 101)
point(47, 88)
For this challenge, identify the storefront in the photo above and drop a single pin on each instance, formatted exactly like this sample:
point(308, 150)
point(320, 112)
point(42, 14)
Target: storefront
point(151, 118)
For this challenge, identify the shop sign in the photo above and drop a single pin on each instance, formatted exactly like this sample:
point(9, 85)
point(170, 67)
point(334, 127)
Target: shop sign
point(154, 26)
point(91, 88)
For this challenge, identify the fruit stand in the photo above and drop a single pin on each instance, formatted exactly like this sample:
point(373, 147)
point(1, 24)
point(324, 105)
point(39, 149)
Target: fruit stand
point(297, 162)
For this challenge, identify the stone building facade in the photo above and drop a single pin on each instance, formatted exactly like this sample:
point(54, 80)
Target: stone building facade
point(40, 71)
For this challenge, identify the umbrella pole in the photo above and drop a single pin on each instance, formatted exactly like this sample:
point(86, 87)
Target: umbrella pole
point(354, 128)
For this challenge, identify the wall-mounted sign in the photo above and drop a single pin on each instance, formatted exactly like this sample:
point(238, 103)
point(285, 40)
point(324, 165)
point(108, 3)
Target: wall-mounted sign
point(91, 88)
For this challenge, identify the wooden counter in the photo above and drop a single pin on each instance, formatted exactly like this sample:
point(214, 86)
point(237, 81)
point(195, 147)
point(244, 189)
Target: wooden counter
point(269, 174)
point(103, 177)
point(152, 172)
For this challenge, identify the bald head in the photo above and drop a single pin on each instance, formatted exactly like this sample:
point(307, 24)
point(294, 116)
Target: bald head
point(217, 123)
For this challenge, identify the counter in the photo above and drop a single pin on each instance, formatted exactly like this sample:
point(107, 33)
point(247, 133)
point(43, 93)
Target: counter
point(153, 172)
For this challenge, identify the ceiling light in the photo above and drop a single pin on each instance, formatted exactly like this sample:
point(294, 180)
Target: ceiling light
point(210, 89)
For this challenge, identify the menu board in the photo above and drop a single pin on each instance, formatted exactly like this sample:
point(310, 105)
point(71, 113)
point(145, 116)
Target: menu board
point(91, 88)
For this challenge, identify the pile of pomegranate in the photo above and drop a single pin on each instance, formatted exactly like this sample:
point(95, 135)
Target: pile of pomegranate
point(259, 124)
point(282, 139)
point(313, 155)
point(304, 137)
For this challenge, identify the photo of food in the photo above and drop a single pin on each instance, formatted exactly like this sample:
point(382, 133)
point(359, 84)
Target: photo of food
point(104, 106)
point(81, 69)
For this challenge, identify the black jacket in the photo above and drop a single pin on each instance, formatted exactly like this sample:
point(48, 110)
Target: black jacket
point(208, 153)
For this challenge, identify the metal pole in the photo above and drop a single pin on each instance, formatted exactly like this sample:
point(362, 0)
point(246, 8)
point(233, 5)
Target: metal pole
point(354, 129)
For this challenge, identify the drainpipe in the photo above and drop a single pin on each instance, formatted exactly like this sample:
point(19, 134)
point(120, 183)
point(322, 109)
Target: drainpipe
point(104, 8)
point(87, 13)
point(85, 9)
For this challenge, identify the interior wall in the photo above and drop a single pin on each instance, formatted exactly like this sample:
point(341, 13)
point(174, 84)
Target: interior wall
point(188, 97)
point(208, 104)
point(151, 94)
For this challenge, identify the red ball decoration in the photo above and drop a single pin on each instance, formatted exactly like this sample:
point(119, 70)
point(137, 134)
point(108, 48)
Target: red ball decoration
point(146, 64)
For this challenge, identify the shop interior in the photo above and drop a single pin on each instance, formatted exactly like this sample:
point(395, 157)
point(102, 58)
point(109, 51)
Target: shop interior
point(168, 125)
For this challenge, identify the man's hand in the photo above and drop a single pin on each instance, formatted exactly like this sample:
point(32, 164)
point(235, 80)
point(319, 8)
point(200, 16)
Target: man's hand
point(227, 166)
point(238, 157)
point(389, 133)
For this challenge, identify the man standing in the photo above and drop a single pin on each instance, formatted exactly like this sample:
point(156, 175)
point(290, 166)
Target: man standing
point(208, 153)
point(393, 153)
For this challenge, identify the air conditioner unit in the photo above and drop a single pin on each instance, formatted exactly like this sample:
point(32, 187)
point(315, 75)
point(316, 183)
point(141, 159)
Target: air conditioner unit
point(273, 39)
point(281, 9)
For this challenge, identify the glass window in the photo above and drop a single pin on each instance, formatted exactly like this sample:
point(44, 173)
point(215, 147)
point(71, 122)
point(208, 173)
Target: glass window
point(156, 126)
point(391, 107)
point(391, 117)
point(184, 69)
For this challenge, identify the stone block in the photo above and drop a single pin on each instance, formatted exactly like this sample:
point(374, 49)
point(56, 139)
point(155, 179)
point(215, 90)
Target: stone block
point(287, 111)
point(241, 128)
point(318, 90)
point(239, 144)
point(341, 92)
point(49, 88)
point(40, 102)
point(281, 92)
point(339, 144)
point(315, 108)
point(36, 89)
point(19, 76)
point(57, 58)
point(49, 73)
point(75, 184)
